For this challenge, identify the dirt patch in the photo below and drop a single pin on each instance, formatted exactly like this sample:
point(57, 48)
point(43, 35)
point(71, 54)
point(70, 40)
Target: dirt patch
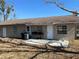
point(37, 55)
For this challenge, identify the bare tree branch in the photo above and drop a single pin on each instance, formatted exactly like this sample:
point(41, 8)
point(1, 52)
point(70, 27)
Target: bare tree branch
point(63, 8)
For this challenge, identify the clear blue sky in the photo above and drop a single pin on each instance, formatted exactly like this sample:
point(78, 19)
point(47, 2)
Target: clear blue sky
point(38, 8)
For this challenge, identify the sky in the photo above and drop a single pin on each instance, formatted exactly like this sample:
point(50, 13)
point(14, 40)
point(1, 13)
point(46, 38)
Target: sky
point(38, 8)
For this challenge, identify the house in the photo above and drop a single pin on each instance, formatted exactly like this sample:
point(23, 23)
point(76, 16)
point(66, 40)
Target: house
point(55, 27)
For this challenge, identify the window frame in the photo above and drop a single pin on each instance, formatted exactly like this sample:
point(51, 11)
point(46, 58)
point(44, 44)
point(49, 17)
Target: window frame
point(14, 29)
point(61, 29)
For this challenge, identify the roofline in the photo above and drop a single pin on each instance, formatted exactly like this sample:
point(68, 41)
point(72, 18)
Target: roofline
point(33, 21)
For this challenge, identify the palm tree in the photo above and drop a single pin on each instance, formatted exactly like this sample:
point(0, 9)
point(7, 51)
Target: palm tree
point(5, 9)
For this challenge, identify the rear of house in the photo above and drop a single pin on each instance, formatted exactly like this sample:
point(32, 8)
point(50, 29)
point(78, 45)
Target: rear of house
point(56, 27)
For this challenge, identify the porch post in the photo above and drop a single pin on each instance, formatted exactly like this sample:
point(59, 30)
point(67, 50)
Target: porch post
point(30, 30)
point(50, 32)
point(4, 32)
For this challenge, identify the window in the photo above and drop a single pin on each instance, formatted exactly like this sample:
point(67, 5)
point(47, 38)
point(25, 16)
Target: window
point(61, 29)
point(37, 30)
point(14, 29)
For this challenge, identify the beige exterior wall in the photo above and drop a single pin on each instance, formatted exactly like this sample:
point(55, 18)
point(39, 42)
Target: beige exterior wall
point(19, 29)
point(70, 32)
point(1, 32)
point(45, 32)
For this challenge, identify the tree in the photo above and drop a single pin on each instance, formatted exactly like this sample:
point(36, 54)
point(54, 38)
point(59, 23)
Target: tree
point(61, 7)
point(5, 9)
